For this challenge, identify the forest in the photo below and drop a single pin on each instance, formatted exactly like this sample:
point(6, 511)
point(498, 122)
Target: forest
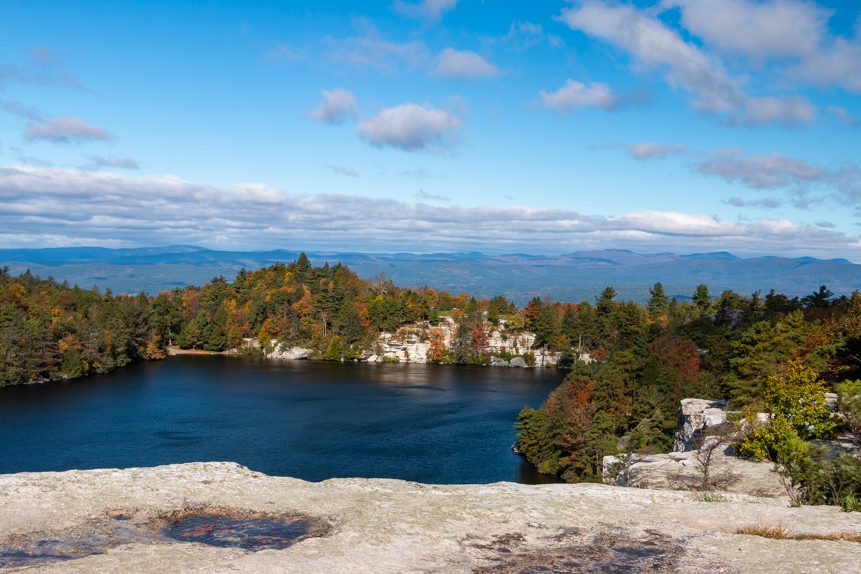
point(765, 353)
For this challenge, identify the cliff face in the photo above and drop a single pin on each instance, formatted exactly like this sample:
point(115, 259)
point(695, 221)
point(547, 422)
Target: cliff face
point(112, 520)
point(412, 344)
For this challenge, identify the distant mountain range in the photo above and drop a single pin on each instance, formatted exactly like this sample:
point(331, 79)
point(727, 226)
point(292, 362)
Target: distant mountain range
point(574, 276)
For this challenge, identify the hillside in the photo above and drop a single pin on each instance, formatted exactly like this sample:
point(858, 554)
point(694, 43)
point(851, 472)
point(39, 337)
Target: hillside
point(571, 277)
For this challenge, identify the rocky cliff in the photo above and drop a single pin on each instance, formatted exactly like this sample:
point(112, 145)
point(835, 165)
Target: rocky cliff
point(412, 344)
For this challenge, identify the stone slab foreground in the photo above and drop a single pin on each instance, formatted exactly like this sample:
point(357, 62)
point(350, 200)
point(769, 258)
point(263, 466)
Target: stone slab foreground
point(388, 526)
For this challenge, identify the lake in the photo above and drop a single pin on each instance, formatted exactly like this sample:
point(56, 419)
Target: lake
point(438, 424)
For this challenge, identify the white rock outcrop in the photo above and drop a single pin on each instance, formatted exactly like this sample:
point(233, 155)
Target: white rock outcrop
point(289, 353)
point(391, 526)
point(696, 416)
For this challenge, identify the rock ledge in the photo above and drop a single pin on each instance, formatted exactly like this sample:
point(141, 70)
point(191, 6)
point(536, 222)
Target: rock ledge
point(388, 526)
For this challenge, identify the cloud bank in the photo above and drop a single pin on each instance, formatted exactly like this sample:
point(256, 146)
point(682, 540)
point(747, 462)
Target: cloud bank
point(52, 206)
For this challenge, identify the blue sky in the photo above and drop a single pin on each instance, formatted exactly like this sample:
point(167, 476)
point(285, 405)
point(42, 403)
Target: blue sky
point(440, 125)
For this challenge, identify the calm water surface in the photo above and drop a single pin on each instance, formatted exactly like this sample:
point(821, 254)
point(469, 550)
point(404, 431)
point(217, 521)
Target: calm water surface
point(427, 423)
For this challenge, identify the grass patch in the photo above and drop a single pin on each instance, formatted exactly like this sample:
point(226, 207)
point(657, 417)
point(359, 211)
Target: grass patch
point(780, 532)
point(710, 497)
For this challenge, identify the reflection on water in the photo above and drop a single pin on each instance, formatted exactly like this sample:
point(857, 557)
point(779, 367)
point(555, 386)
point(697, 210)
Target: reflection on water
point(428, 423)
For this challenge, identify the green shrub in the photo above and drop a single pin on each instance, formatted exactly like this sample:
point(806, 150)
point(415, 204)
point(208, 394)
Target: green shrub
point(850, 504)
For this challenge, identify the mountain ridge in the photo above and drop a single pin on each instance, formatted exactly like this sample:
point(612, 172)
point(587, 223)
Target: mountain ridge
point(574, 276)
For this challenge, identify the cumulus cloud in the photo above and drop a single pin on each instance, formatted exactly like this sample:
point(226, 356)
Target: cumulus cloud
point(768, 171)
point(795, 176)
point(428, 10)
point(792, 32)
point(348, 171)
point(773, 29)
point(573, 95)
point(453, 64)
point(92, 207)
point(65, 129)
point(825, 224)
point(123, 162)
point(338, 106)
point(651, 150)
point(655, 46)
point(411, 127)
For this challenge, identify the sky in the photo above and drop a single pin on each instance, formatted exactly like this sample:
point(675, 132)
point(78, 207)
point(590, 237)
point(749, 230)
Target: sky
point(433, 126)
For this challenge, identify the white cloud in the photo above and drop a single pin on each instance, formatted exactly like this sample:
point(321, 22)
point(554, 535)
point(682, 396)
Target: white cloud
point(65, 129)
point(23, 111)
point(124, 162)
point(655, 46)
point(373, 52)
point(338, 106)
point(768, 171)
point(429, 10)
point(651, 150)
point(768, 202)
point(796, 176)
point(424, 196)
point(523, 35)
point(91, 207)
point(411, 127)
point(793, 32)
point(348, 171)
point(574, 95)
point(463, 64)
point(759, 30)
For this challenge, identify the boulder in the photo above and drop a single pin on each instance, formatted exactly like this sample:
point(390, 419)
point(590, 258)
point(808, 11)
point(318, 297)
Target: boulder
point(517, 362)
point(697, 415)
point(291, 354)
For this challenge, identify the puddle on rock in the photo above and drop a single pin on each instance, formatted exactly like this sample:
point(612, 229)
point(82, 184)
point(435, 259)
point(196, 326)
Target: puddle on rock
point(249, 533)
point(225, 528)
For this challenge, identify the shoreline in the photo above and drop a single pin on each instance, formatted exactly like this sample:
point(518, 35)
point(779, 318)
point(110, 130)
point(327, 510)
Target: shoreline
point(173, 351)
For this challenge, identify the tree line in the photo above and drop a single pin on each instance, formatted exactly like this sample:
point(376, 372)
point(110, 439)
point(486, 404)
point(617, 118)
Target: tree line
point(766, 354)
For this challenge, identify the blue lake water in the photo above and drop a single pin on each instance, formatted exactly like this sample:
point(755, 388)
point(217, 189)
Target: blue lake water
point(310, 420)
